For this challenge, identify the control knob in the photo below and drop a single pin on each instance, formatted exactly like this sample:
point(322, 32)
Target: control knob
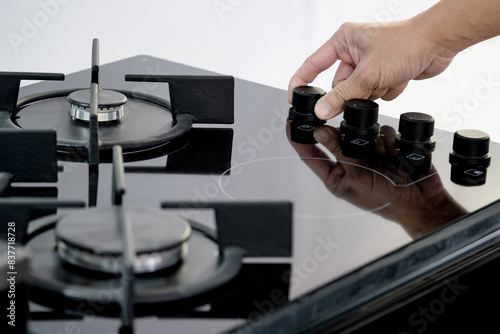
point(359, 129)
point(415, 142)
point(303, 121)
point(470, 157)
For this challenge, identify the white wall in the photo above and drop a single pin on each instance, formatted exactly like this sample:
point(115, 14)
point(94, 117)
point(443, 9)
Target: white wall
point(259, 40)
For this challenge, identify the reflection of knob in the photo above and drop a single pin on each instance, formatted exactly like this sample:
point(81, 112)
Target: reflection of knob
point(301, 116)
point(359, 129)
point(414, 142)
point(470, 157)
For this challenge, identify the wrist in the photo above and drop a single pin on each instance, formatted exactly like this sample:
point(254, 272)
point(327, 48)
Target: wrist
point(426, 218)
point(435, 38)
point(451, 26)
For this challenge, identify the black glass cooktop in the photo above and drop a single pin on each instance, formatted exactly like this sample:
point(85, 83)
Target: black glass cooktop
point(347, 213)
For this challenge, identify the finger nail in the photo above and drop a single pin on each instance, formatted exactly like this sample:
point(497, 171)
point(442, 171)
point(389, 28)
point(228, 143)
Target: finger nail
point(323, 109)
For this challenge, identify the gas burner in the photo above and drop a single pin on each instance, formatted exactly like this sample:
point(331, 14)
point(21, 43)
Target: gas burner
point(90, 239)
point(205, 267)
point(143, 125)
point(124, 242)
point(148, 124)
point(110, 106)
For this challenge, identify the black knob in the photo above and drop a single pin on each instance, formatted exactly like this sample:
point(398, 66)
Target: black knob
point(359, 129)
point(416, 126)
point(471, 143)
point(304, 98)
point(361, 113)
point(414, 143)
point(470, 157)
point(301, 116)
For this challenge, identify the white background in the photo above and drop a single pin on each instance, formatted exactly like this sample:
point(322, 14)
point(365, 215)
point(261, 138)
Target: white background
point(259, 40)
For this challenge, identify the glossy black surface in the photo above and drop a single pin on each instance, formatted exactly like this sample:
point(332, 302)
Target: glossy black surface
point(39, 158)
point(346, 212)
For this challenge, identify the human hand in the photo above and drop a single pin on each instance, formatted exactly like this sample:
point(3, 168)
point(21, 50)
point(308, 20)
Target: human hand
point(419, 204)
point(377, 60)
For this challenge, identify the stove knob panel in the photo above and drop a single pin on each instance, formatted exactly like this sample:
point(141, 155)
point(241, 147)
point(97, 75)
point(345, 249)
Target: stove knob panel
point(359, 129)
point(470, 157)
point(414, 142)
point(303, 121)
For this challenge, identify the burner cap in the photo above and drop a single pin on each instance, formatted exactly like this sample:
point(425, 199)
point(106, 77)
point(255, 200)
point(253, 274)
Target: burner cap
point(92, 240)
point(110, 106)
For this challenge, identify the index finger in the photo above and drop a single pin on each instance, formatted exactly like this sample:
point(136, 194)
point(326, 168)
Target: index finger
point(316, 63)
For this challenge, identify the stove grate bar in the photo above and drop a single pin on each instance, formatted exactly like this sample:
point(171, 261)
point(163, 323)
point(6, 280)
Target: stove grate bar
point(127, 302)
point(207, 98)
point(5, 179)
point(118, 180)
point(93, 158)
point(95, 61)
point(29, 155)
point(9, 91)
point(129, 254)
point(262, 229)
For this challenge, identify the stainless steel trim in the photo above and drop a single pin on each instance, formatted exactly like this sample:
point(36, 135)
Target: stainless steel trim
point(110, 263)
point(103, 114)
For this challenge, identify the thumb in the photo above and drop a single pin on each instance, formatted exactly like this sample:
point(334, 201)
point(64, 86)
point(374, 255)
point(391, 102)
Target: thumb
point(332, 103)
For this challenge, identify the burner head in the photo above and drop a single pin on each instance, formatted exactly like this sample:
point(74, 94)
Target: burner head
point(110, 106)
point(91, 238)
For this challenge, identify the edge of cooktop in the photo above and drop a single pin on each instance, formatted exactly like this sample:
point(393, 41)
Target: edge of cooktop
point(387, 282)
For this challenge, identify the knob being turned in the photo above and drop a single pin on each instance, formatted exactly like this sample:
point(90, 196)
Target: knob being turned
point(303, 121)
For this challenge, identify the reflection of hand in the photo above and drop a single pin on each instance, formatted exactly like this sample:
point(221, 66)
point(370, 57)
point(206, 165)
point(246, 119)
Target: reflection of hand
point(418, 206)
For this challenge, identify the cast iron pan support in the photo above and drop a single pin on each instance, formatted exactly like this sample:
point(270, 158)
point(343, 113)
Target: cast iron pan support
point(262, 229)
point(125, 227)
point(5, 179)
point(95, 61)
point(10, 91)
point(197, 98)
point(94, 144)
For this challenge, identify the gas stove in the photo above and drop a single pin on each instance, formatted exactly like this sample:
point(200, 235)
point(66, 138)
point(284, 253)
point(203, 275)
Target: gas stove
point(148, 196)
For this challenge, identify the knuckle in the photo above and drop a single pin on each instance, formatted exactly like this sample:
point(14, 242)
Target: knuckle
point(368, 77)
point(348, 25)
point(341, 95)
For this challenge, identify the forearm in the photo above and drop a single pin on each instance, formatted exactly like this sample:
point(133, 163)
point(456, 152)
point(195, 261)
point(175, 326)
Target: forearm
point(455, 25)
